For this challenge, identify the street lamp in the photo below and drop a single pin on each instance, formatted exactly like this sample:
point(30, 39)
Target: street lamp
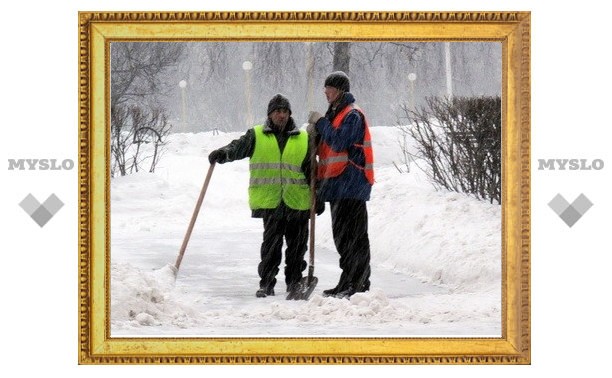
point(309, 75)
point(183, 85)
point(449, 70)
point(247, 66)
point(412, 77)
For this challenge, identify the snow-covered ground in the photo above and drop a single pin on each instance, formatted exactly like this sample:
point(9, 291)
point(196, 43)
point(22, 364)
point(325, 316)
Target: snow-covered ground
point(436, 256)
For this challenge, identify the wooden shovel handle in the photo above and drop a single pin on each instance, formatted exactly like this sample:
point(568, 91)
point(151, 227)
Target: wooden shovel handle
point(194, 217)
point(313, 203)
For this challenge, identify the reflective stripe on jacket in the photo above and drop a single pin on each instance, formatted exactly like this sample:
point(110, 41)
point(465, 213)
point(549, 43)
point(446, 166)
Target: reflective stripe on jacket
point(332, 163)
point(275, 176)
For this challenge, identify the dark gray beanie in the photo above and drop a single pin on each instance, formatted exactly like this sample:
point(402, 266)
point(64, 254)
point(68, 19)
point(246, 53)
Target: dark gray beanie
point(278, 102)
point(338, 79)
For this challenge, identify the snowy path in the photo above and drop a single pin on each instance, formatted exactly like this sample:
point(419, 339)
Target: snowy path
point(226, 275)
point(213, 295)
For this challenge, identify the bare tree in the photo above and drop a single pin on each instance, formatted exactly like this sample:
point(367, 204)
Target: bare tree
point(137, 70)
point(138, 136)
point(151, 129)
point(138, 85)
point(459, 140)
point(121, 136)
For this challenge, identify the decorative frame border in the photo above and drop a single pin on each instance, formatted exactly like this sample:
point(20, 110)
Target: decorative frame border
point(97, 29)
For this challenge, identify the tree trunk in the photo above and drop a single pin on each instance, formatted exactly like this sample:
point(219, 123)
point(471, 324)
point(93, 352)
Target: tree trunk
point(342, 56)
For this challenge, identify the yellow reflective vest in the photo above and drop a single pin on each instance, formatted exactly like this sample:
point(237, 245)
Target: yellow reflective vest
point(276, 176)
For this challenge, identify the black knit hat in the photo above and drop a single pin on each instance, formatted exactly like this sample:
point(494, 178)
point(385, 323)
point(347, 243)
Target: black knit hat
point(279, 102)
point(338, 79)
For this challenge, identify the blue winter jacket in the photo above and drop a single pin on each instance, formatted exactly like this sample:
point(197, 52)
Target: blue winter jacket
point(352, 183)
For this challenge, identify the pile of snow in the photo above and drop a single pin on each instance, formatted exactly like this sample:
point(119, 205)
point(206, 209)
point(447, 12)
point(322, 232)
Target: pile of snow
point(145, 298)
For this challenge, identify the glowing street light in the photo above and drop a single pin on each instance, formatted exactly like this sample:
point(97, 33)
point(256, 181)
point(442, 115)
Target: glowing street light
point(247, 65)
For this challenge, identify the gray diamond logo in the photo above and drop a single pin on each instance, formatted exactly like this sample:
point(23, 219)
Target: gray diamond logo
point(41, 213)
point(570, 213)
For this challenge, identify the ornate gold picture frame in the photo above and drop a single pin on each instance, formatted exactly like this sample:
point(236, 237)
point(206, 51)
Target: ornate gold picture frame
point(98, 29)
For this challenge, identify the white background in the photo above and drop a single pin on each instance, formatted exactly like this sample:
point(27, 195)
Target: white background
point(570, 266)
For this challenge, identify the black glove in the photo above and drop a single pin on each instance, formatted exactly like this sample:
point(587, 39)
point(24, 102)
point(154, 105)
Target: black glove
point(320, 207)
point(217, 156)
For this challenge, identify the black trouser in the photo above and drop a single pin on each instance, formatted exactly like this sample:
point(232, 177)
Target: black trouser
point(350, 229)
point(295, 233)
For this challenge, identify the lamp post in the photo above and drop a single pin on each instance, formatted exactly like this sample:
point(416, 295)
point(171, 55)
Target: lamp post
point(309, 75)
point(183, 85)
point(449, 70)
point(412, 77)
point(247, 66)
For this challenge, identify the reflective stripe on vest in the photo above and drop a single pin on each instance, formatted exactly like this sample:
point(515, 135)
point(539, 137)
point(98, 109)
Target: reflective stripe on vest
point(332, 163)
point(275, 176)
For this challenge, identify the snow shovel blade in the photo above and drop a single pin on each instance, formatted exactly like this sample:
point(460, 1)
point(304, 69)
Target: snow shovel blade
point(308, 285)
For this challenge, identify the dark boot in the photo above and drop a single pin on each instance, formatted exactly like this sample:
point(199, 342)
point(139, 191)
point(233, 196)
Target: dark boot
point(346, 293)
point(264, 292)
point(331, 292)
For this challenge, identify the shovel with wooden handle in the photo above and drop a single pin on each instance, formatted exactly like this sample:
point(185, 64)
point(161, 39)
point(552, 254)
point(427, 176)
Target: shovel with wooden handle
point(177, 264)
point(308, 283)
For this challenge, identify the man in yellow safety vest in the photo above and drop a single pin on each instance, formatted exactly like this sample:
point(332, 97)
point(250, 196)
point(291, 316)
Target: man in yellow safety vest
point(278, 191)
